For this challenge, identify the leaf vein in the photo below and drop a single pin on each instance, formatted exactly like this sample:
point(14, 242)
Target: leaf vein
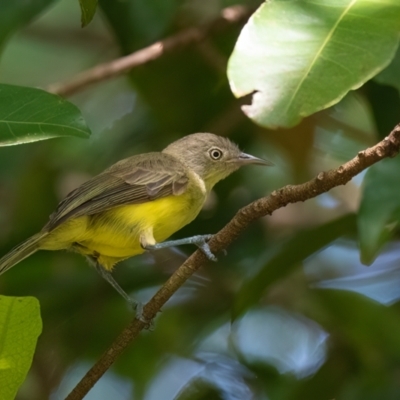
point(318, 53)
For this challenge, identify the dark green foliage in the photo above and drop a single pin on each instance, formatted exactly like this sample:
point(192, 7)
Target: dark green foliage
point(294, 334)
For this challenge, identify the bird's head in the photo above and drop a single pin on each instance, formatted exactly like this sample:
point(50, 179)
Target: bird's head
point(212, 157)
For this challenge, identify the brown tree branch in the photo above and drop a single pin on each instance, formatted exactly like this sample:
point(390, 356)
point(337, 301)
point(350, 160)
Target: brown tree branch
point(228, 16)
point(389, 147)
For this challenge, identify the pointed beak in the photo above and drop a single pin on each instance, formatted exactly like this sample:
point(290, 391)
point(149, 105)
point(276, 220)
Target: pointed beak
point(246, 159)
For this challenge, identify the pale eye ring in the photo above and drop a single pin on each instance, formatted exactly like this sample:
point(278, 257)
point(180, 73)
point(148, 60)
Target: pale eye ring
point(215, 153)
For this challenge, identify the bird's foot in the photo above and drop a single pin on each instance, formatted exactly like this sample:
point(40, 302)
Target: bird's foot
point(201, 241)
point(137, 307)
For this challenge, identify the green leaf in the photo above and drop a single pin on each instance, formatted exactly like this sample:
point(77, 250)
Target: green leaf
point(366, 324)
point(88, 9)
point(16, 13)
point(20, 326)
point(28, 115)
point(301, 56)
point(379, 211)
point(285, 258)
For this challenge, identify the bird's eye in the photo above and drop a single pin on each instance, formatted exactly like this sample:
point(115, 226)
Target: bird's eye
point(215, 153)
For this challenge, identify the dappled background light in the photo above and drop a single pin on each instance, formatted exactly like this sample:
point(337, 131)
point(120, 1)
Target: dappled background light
point(289, 342)
point(339, 267)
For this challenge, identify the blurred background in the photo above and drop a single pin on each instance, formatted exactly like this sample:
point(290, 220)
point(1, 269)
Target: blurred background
point(288, 313)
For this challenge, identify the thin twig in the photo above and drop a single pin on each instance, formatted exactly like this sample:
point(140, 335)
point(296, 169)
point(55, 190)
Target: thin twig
point(389, 147)
point(101, 72)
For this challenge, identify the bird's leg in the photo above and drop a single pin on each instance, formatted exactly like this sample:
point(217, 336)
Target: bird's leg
point(136, 305)
point(199, 240)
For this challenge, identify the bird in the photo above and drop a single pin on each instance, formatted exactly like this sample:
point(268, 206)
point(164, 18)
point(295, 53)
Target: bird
point(136, 204)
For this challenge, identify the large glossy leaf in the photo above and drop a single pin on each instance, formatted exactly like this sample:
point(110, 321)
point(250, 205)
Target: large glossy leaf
point(20, 326)
point(379, 210)
point(284, 259)
point(28, 115)
point(16, 13)
point(301, 56)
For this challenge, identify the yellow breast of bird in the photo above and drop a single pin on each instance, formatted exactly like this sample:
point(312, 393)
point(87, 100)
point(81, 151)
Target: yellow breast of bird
point(116, 233)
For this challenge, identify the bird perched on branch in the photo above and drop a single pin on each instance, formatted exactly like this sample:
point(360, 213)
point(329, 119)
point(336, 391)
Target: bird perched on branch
point(137, 203)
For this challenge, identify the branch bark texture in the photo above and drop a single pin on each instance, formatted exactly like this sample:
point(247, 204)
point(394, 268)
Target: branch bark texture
point(323, 182)
point(101, 72)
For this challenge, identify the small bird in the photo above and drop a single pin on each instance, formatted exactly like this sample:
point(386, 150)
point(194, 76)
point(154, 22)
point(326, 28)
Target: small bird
point(136, 204)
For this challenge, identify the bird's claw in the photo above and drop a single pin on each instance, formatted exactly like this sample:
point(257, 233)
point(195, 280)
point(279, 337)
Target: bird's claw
point(138, 309)
point(205, 248)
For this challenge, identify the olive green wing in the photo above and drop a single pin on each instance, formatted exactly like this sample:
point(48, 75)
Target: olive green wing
point(134, 180)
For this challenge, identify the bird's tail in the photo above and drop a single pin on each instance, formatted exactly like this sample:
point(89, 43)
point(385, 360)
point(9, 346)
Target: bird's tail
point(20, 252)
